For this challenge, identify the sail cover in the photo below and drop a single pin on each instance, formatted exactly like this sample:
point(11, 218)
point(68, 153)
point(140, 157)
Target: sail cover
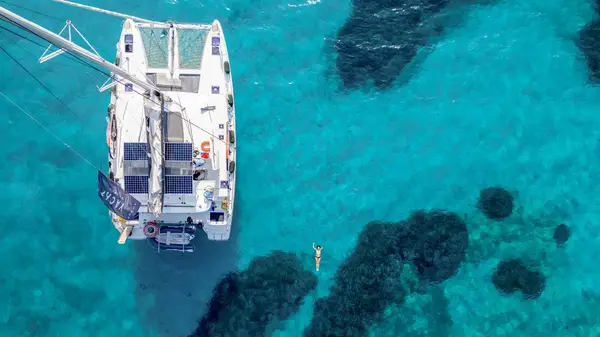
point(116, 199)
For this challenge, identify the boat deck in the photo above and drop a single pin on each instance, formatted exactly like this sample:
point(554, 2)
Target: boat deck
point(193, 72)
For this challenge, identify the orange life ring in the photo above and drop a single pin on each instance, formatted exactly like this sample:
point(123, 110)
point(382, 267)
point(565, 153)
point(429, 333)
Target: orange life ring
point(151, 230)
point(205, 146)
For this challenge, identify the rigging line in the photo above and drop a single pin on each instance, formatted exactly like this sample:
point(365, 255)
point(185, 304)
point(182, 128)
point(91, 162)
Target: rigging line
point(31, 10)
point(36, 43)
point(15, 43)
point(50, 132)
point(87, 64)
point(151, 100)
point(69, 56)
point(85, 125)
point(114, 77)
point(72, 57)
point(40, 82)
point(166, 110)
point(47, 89)
point(142, 126)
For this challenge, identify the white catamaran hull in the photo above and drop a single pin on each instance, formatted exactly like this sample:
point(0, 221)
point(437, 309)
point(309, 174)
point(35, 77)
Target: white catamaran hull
point(201, 114)
point(171, 127)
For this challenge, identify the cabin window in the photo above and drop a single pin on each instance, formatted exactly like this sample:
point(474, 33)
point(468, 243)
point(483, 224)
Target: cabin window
point(128, 43)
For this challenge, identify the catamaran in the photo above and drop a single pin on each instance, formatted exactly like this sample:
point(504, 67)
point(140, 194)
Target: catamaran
point(171, 127)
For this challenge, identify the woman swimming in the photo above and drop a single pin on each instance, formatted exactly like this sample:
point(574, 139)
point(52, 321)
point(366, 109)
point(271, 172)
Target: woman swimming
point(317, 255)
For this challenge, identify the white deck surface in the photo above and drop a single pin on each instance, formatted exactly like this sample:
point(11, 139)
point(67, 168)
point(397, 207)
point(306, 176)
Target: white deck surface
point(199, 125)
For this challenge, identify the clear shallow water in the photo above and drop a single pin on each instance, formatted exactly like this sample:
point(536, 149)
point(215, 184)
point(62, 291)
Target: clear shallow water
point(501, 99)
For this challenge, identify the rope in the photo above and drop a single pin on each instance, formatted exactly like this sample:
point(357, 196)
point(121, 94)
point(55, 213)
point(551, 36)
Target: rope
point(70, 57)
point(51, 93)
point(15, 42)
point(32, 75)
point(50, 132)
point(87, 64)
point(76, 58)
point(40, 82)
point(31, 10)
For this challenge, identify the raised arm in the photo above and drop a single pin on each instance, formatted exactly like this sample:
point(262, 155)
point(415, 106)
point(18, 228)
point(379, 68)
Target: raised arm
point(315, 248)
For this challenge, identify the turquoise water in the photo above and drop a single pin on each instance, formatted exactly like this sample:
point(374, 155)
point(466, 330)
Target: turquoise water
point(502, 98)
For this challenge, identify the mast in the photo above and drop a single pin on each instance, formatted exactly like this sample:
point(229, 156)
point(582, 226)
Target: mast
point(155, 112)
point(154, 100)
point(61, 42)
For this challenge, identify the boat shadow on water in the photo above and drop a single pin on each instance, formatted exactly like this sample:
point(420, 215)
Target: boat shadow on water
point(174, 288)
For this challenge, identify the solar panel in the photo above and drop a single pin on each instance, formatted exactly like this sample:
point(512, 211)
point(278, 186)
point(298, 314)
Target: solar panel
point(178, 184)
point(178, 151)
point(136, 184)
point(136, 151)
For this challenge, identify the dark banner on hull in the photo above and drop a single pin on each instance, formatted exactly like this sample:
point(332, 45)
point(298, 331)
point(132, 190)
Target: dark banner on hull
point(116, 199)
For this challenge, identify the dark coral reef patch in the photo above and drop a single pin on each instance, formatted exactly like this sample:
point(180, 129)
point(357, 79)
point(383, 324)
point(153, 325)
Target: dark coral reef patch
point(438, 242)
point(366, 282)
point(561, 234)
point(512, 275)
point(382, 37)
point(589, 44)
point(370, 278)
point(496, 203)
point(245, 303)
